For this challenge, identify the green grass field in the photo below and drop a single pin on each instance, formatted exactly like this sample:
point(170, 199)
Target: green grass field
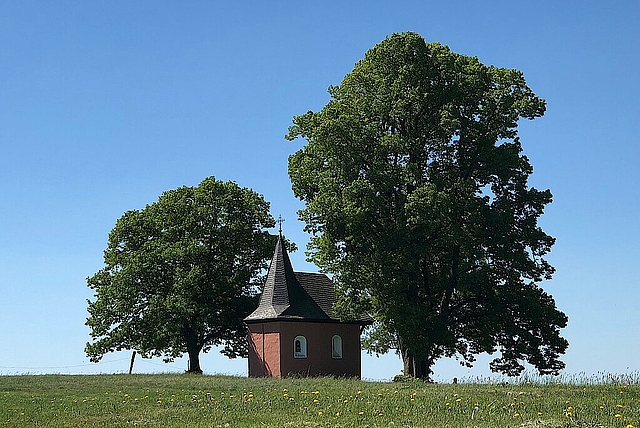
point(222, 401)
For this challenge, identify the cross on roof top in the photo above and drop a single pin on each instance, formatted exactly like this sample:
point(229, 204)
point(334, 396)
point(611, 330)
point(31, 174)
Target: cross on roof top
point(280, 221)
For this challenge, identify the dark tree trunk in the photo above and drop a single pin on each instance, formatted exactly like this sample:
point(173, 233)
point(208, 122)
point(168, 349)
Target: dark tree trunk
point(194, 360)
point(418, 367)
point(193, 349)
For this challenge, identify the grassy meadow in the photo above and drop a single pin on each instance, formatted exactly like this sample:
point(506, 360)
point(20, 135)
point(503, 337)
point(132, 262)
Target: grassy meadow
point(224, 401)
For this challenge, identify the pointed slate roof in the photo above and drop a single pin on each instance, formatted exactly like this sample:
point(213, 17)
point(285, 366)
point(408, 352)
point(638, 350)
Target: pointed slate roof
point(284, 297)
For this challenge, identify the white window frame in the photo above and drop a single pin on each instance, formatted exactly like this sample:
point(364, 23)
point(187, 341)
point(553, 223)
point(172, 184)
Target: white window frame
point(302, 353)
point(336, 347)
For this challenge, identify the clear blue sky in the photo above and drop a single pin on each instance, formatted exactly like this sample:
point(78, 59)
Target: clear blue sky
point(105, 105)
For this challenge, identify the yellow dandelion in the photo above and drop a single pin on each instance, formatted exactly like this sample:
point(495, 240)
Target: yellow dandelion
point(619, 406)
point(569, 412)
point(630, 426)
point(320, 413)
point(516, 415)
point(617, 416)
point(361, 413)
point(337, 414)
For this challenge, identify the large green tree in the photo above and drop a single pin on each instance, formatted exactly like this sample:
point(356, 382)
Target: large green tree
point(181, 274)
point(417, 200)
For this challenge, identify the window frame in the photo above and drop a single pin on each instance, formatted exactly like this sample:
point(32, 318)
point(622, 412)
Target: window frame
point(303, 347)
point(336, 351)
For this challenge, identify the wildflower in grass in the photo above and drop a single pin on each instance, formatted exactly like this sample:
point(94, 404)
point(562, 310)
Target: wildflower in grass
point(617, 416)
point(516, 415)
point(320, 413)
point(619, 406)
point(629, 426)
point(568, 412)
point(361, 413)
point(337, 414)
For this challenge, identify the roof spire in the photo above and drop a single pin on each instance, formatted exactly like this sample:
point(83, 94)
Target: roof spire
point(282, 295)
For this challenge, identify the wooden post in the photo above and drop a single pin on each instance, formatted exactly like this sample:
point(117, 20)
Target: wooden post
point(133, 357)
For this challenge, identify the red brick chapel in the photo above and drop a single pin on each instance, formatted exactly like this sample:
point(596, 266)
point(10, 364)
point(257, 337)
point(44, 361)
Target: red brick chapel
point(294, 331)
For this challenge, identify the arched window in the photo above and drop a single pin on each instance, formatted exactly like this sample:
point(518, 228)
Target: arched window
point(336, 346)
point(300, 347)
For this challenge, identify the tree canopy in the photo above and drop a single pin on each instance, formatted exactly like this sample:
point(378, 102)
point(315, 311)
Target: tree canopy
point(181, 274)
point(417, 198)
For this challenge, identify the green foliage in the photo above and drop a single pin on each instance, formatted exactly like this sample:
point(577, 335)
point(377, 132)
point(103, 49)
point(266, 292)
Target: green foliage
point(404, 378)
point(218, 401)
point(417, 200)
point(181, 274)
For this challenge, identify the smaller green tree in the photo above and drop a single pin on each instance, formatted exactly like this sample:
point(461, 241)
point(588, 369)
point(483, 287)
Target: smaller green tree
point(181, 274)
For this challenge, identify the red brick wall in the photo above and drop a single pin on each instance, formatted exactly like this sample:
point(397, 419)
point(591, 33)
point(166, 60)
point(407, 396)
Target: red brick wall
point(319, 360)
point(278, 349)
point(264, 350)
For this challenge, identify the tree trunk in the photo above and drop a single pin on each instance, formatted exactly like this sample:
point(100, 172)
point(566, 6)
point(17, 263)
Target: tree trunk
point(194, 359)
point(418, 367)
